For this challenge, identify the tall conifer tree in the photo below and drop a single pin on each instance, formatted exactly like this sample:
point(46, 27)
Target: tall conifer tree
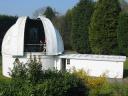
point(50, 13)
point(80, 25)
point(123, 33)
point(102, 32)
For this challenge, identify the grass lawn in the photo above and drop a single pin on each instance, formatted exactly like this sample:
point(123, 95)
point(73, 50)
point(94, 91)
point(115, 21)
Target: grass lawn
point(126, 69)
point(2, 78)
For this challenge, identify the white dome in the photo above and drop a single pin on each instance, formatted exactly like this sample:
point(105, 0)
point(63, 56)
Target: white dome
point(13, 42)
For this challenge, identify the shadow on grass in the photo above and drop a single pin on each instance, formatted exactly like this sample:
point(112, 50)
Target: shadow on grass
point(125, 74)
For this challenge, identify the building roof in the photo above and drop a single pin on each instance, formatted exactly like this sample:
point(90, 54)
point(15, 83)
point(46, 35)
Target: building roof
point(13, 42)
point(94, 57)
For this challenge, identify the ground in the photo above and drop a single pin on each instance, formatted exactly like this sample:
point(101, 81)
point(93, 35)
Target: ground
point(126, 69)
point(2, 78)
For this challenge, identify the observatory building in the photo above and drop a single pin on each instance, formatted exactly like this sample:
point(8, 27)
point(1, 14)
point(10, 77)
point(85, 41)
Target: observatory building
point(30, 38)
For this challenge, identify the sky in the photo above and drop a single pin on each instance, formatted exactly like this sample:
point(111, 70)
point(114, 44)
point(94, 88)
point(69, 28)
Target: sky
point(27, 7)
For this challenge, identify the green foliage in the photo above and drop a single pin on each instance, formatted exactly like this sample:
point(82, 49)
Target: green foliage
point(123, 33)
point(103, 26)
point(64, 24)
point(16, 88)
point(97, 86)
point(67, 29)
point(62, 84)
point(5, 23)
point(119, 89)
point(34, 70)
point(80, 23)
point(49, 13)
point(2, 78)
point(0, 60)
point(29, 80)
point(19, 71)
point(31, 71)
point(124, 5)
point(59, 84)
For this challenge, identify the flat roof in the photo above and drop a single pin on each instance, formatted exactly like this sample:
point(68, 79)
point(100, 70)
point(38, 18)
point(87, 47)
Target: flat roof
point(94, 57)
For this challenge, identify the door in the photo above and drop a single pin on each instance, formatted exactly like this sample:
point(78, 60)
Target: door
point(63, 64)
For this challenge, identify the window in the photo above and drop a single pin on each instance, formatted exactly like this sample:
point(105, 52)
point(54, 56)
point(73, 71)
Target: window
point(68, 61)
point(34, 36)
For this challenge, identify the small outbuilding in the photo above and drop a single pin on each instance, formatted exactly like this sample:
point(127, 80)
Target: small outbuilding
point(39, 38)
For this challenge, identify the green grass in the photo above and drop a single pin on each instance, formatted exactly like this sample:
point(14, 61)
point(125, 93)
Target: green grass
point(0, 60)
point(126, 64)
point(2, 78)
point(126, 69)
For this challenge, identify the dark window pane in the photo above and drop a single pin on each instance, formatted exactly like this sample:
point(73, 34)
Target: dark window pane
point(63, 64)
point(34, 36)
point(68, 61)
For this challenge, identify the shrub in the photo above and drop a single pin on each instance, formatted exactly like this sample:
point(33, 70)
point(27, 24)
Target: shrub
point(61, 86)
point(19, 70)
point(34, 69)
point(30, 80)
point(97, 86)
point(119, 89)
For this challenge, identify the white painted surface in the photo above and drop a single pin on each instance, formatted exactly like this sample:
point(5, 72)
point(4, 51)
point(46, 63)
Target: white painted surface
point(54, 42)
point(96, 65)
point(111, 68)
point(13, 42)
point(58, 64)
point(98, 68)
point(48, 62)
point(94, 57)
point(13, 45)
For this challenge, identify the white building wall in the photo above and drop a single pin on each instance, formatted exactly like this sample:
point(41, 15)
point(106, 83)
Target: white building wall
point(111, 69)
point(58, 64)
point(48, 62)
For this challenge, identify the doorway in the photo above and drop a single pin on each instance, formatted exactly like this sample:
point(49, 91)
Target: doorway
point(63, 64)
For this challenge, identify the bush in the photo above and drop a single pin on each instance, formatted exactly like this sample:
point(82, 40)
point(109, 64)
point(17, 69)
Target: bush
point(61, 86)
point(30, 80)
point(34, 69)
point(119, 89)
point(19, 70)
point(97, 86)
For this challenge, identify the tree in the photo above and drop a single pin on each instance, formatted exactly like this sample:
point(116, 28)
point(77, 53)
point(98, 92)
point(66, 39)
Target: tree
point(102, 31)
point(124, 5)
point(80, 21)
point(67, 29)
point(39, 12)
point(49, 13)
point(66, 24)
point(5, 23)
point(123, 33)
